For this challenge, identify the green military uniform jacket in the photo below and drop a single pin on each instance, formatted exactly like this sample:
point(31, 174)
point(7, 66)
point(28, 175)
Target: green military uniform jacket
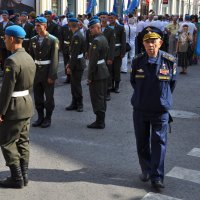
point(19, 73)
point(65, 38)
point(89, 39)
point(2, 33)
point(110, 36)
point(53, 29)
point(98, 51)
point(120, 39)
point(29, 29)
point(78, 47)
point(48, 50)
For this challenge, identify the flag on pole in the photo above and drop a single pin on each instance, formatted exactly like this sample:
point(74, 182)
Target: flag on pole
point(129, 2)
point(133, 5)
point(91, 5)
point(115, 6)
point(122, 9)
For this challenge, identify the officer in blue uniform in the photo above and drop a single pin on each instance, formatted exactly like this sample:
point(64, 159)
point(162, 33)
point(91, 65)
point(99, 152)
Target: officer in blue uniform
point(153, 78)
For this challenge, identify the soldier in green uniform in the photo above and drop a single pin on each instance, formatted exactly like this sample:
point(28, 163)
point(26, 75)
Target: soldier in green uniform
point(76, 65)
point(98, 74)
point(52, 27)
point(120, 50)
point(4, 53)
point(65, 41)
point(29, 29)
point(16, 108)
point(110, 36)
point(44, 50)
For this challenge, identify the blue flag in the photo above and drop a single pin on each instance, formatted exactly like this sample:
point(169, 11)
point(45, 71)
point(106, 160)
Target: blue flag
point(122, 9)
point(115, 7)
point(91, 5)
point(129, 2)
point(133, 5)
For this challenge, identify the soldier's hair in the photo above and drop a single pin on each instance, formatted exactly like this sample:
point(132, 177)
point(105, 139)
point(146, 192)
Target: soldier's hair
point(18, 40)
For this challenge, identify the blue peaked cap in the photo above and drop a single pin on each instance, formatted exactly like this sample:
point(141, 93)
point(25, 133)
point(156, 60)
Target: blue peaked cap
point(41, 20)
point(93, 21)
point(72, 20)
point(15, 31)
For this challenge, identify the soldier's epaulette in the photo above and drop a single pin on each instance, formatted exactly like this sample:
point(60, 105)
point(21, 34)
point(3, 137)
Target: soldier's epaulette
point(169, 57)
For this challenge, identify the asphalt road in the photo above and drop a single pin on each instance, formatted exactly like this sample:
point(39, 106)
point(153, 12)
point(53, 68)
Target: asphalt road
point(70, 162)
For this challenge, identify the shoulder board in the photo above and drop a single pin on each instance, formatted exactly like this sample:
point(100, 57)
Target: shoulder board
point(169, 57)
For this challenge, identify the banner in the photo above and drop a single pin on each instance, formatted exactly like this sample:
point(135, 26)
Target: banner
point(115, 6)
point(91, 5)
point(133, 5)
point(17, 6)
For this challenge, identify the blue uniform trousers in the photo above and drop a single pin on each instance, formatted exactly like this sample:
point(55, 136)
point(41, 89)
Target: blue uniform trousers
point(151, 139)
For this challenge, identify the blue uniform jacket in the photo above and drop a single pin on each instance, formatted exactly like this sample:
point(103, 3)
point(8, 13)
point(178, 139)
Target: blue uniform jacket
point(153, 83)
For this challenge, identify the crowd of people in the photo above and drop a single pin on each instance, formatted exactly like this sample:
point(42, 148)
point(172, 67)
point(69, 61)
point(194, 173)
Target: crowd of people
point(150, 42)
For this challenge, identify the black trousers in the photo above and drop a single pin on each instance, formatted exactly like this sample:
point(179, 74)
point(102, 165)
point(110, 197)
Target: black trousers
point(116, 69)
point(44, 96)
point(98, 93)
point(76, 88)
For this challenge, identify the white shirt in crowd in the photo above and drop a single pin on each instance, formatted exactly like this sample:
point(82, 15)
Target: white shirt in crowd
point(140, 26)
point(191, 27)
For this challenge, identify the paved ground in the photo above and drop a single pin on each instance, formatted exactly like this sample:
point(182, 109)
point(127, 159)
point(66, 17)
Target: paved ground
point(68, 161)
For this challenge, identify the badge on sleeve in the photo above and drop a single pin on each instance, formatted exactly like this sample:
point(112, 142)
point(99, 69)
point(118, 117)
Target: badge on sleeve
point(7, 69)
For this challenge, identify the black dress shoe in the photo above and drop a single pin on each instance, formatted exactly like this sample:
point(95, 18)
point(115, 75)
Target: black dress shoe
point(96, 125)
point(71, 107)
point(144, 177)
point(46, 123)
point(108, 98)
point(157, 184)
point(38, 122)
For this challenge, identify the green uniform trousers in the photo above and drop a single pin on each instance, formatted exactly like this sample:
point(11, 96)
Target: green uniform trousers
point(98, 93)
point(14, 140)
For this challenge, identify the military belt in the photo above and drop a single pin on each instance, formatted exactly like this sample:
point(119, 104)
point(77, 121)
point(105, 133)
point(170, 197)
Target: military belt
point(100, 61)
point(26, 39)
point(42, 62)
point(20, 93)
point(80, 56)
point(117, 45)
point(66, 42)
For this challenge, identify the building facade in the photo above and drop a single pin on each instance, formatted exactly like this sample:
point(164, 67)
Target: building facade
point(171, 7)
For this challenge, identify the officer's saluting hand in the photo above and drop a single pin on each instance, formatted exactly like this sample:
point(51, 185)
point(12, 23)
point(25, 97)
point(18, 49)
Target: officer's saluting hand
point(153, 78)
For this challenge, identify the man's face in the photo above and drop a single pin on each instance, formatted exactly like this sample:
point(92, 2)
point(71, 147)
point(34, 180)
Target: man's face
point(23, 18)
point(95, 29)
point(5, 17)
point(152, 46)
point(111, 19)
point(39, 27)
point(48, 17)
point(8, 41)
point(104, 18)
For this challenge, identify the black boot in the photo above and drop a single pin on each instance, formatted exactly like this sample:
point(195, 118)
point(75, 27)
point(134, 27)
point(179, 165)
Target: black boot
point(47, 120)
point(108, 98)
point(116, 86)
point(16, 180)
point(24, 169)
point(40, 119)
point(72, 106)
point(113, 86)
point(99, 123)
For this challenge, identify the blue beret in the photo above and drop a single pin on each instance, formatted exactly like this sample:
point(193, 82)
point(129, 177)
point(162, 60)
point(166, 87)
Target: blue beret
point(72, 20)
point(103, 13)
point(41, 20)
point(15, 31)
point(5, 12)
point(24, 13)
point(151, 32)
point(93, 21)
point(94, 17)
point(70, 15)
point(47, 12)
point(113, 14)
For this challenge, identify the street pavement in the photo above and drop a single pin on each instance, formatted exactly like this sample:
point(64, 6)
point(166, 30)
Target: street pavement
point(70, 162)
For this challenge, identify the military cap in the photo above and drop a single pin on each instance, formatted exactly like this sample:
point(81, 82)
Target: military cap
point(41, 20)
point(102, 13)
point(94, 17)
point(113, 14)
point(93, 21)
point(72, 20)
point(70, 15)
point(15, 31)
point(47, 12)
point(5, 12)
point(24, 13)
point(151, 32)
